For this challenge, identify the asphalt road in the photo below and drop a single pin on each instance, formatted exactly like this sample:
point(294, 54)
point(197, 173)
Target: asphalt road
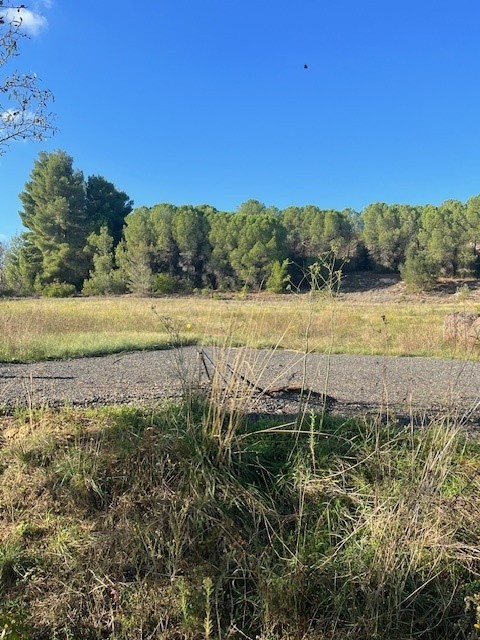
point(358, 384)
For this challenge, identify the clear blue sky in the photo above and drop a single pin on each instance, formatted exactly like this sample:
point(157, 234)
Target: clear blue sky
point(190, 101)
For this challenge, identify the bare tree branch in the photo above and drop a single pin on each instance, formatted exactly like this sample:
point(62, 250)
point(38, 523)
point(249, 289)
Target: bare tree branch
point(24, 104)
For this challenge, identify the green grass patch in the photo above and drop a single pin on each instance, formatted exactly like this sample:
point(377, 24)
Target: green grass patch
point(186, 522)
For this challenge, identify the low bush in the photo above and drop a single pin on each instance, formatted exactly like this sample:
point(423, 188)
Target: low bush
point(418, 272)
point(111, 283)
point(164, 283)
point(59, 290)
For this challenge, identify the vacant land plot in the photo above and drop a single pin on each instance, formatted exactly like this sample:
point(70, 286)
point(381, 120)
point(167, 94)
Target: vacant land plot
point(366, 317)
point(194, 518)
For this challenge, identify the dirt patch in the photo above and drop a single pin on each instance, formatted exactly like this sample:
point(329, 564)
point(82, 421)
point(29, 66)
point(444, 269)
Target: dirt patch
point(370, 287)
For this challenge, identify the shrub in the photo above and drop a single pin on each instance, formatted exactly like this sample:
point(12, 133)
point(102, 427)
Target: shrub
point(104, 284)
point(278, 278)
point(59, 290)
point(164, 283)
point(418, 272)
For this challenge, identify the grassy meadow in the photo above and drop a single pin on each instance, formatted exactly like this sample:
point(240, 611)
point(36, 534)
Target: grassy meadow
point(35, 329)
point(127, 524)
point(193, 521)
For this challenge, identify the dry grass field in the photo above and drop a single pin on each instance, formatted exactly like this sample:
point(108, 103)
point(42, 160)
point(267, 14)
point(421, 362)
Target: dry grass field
point(367, 316)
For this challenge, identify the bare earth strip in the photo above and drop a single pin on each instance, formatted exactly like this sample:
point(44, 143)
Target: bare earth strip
point(359, 384)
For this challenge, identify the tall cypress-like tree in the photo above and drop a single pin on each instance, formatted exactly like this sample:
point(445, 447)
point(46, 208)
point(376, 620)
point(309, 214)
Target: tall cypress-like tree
point(54, 212)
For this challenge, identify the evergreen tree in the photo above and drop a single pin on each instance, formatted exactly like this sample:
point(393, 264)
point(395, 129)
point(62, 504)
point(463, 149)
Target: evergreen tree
point(445, 236)
point(103, 277)
point(388, 231)
point(106, 206)
point(278, 279)
point(251, 208)
point(313, 222)
point(418, 271)
point(222, 241)
point(54, 213)
point(338, 234)
point(23, 262)
point(190, 232)
point(257, 241)
point(296, 237)
point(166, 252)
point(2, 265)
point(312, 232)
point(472, 215)
point(134, 255)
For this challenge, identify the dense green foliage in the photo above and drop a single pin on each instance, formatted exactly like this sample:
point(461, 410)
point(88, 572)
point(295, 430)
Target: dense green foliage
point(2, 265)
point(85, 234)
point(224, 250)
point(55, 215)
point(60, 211)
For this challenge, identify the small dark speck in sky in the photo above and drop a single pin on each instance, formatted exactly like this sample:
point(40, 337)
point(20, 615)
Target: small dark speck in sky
point(305, 66)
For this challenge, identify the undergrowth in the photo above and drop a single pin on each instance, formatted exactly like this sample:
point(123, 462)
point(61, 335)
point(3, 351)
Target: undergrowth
point(128, 523)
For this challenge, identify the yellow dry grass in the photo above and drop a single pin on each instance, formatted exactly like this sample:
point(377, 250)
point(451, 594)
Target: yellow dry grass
point(32, 329)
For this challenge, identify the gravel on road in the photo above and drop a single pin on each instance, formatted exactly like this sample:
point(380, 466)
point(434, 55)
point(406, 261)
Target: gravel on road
point(419, 387)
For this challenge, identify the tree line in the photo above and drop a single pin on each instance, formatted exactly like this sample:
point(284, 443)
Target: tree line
point(83, 235)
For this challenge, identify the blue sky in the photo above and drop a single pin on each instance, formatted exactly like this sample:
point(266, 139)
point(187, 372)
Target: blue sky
point(190, 101)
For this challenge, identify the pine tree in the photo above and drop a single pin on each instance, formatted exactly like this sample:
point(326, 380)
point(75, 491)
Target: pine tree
point(278, 279)
point(54, 212)
point(134, 254)
point(103, 277)
point(106, 206)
